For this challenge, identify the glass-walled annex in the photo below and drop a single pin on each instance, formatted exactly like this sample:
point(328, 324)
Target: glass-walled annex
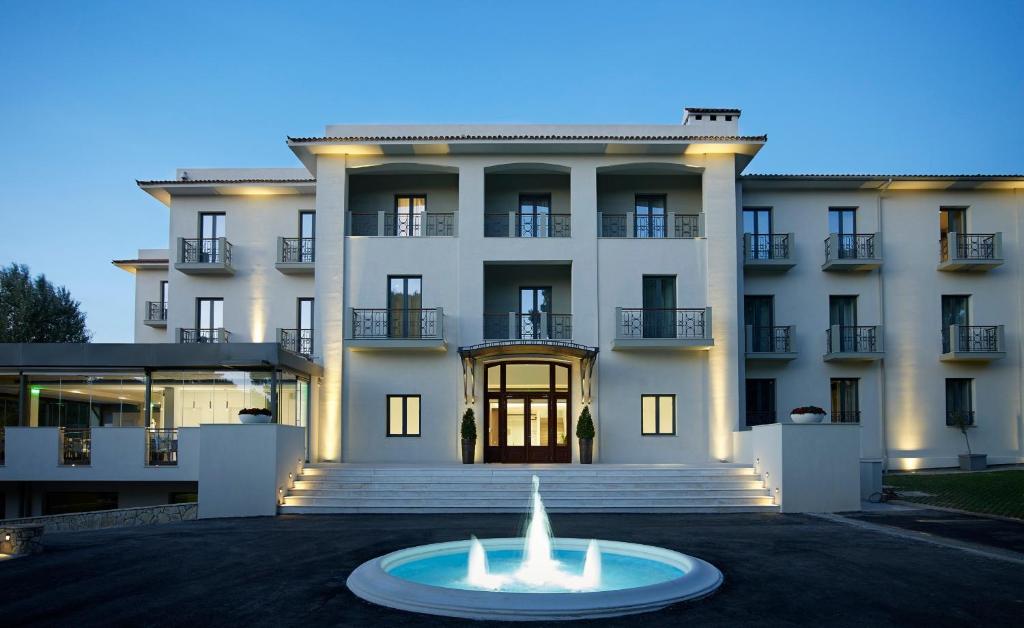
point(175, 398)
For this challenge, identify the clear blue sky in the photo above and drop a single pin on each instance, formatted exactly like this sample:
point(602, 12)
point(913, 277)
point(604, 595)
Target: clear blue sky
point(96, 94)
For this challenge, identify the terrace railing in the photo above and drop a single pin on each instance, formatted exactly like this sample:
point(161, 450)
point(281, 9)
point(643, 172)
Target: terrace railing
point(193, 335)
point(161, 447)
point(75, 445)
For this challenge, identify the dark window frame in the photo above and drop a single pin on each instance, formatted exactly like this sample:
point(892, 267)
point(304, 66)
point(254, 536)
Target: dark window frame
point(199, 311)
point(199, 230)
point(405, 416)
point(773, 411)
point(841, 210)
point(969, 382)
point(657, 414)
point(164, 287)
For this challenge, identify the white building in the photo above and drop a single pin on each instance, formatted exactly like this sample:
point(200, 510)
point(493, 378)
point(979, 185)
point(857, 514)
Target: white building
point(528, 271)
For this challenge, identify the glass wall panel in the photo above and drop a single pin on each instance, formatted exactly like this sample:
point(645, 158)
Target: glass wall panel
point(292, 399)
point(87, 400)
point(9, 399)
point(493, 422)
point(515, 423)
point(190, 398)
point(562, 421)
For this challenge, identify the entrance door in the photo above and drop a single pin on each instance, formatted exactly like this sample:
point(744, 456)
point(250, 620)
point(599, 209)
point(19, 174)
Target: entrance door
point(527, 413)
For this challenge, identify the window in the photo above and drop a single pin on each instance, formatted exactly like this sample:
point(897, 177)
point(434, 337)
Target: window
point(757, 222)
point(845, 401)
point(307, 236)
point(403, 415)
point(760, 402)
point(650, 216)
point(304, 323)
point(163, 293)
point(658, 415)
point(209, 319)
point(842, 220)
point(534, 303)
point(959, 399)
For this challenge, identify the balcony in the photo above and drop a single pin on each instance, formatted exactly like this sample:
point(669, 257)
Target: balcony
point(630, 225)
point(847, 343)
point(514, 224)
point(156, 314)
point(767, 252)
point(194, 335)
point(296, 340)
point(771, 343)
point(388, 224)
point(852, 252)
point(662, 328)
point(535, 326)
point(296, 256)
point(75, 446)
point(970, 252)
point(381, 329)
point(973, 343)
point(204, 256)
point(161, 447)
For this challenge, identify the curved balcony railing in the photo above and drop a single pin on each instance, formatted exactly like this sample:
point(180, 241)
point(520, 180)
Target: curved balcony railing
point(383, 323)
point(662, 323)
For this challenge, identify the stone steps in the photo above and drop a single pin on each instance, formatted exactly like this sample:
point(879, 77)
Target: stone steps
point(342, 488)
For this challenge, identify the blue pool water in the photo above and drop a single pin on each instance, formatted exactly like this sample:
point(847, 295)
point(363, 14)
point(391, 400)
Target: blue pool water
point(618, 571)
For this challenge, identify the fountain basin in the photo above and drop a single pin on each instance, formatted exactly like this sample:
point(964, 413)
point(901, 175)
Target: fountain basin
point(635, 579)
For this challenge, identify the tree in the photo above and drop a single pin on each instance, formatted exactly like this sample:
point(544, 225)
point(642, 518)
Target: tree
point(35, 310)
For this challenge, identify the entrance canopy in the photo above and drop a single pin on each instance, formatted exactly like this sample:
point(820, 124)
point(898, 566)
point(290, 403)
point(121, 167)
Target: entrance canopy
point(526, 349)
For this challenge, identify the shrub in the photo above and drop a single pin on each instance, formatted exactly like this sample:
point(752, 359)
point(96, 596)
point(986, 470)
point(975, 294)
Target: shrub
point(585, 425)
point(260, 411)
point(468, 425)
point(808, 410)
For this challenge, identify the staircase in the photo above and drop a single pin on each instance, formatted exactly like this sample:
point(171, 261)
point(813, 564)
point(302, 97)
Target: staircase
point(350, 488)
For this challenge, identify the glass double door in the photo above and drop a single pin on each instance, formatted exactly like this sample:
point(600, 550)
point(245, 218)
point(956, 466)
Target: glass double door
point(527, 413)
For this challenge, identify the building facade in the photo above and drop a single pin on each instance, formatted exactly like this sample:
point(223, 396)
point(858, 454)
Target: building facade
point(528, 271)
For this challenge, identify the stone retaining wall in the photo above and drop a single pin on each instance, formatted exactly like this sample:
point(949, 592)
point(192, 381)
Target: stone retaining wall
point(120, 518)
point(21, 539)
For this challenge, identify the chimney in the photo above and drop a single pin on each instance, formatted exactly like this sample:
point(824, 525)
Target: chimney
point(711, 121)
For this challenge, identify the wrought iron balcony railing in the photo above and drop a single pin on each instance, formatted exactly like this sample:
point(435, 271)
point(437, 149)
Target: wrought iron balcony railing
point(646, 226)
point(777, 339)
point(662, 323)
point(850, 246)
point(766, 246)
point(383, 323)
point(853, 339)
point(298, 250)
point(194, 335)
point(972, 339)
point(535, 326)
point(389, 223)
point(205, 251)
point(75, 445)
point(519, 225)
point(161, 447)
point(968, 416)
point(296, 340)
point(845, 416)
point(156, 311)
point(968, 246)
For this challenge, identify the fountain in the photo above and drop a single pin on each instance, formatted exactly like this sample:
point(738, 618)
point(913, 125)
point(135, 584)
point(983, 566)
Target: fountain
point(537, 577)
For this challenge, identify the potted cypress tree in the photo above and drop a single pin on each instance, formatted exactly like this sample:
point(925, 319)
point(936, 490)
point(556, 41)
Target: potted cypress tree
point(585, 432)
point(968, 461)
point(468, 431)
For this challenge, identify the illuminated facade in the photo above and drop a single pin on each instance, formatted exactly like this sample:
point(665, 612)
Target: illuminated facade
point(528, 271)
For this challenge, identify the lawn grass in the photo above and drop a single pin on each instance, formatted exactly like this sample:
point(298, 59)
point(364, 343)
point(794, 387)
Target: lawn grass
point(991, 492)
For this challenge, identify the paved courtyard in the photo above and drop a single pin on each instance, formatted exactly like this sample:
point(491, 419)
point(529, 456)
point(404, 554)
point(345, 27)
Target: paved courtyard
point(780, 570)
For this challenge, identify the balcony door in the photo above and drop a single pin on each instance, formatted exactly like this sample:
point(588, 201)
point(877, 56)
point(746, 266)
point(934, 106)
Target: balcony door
point(405, 306)
point(845, 401)
point(534, 215)
point(209, 318)
point(955, 311)
point(211, 227)
point(304, 320)
point(843, 221)
point(649, 219)
point(307, 235)
point(952, 219)
point(659, 306)
point(757, 221)
point(533, 302)
point(759, 313)
point(760, 402)
point(408, 214)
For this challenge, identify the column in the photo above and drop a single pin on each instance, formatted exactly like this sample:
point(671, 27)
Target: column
point(331, 198)
point(725, 287)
